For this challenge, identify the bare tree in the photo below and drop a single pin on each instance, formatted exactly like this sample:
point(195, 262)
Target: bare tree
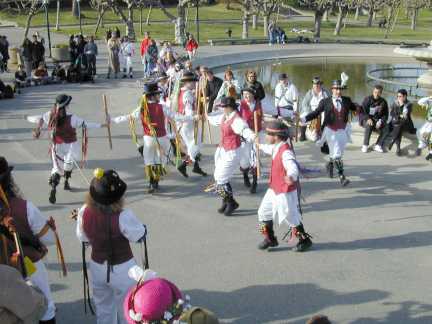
point(413, 7)
point(319, 7)
point(266, 8)
point(372, 6)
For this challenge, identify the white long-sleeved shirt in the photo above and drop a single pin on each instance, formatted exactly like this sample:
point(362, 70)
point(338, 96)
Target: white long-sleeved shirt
point(188, 104)
point(286, 95)
point(127, 49)
point(223, 91)
point(76, 122)
point(136, 114)
point(288, 158)
point(130, 226)
point(239, 126)
point(37, 222)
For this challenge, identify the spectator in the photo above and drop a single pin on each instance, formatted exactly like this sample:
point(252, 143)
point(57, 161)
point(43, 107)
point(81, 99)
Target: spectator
point(271, 33)
point(4, 51)
point(40, 75)
point(127, 53)
point(59, 74)
point(319, 319)
point(188, 67)
point(6, 91)
point(73, 49)
point(81, 43)
point(73, 74)
point(212, 89)
point(113, 56)
point(191, 47)
point(38, 52)
point(21, 79)
point(26, 52)
point(144, 45)
point(117, 32)
point(251, 82)
point(91, 51)
point(151, 58)
point(230, 87)
point(108, 35)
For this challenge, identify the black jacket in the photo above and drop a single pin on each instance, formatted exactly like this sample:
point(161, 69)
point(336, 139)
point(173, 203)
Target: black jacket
point(381, 111)
point(259, 89)
point(399, 118)
point(326, 106)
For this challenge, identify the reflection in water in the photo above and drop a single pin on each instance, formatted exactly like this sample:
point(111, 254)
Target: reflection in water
point(301, 73)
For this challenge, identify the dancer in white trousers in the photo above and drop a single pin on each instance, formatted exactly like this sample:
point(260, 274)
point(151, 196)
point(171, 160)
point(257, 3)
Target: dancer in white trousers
point(424, 134)
point(281, 202)
point(34, 231)
point(65, 148)
point(108, 227)
point(228, 154)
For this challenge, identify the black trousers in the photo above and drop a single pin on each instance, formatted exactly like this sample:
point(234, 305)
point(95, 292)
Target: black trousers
point(368, 132)
point(91, 64)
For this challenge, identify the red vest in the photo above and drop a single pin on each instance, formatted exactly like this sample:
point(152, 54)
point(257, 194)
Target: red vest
point(98, 228)
point(230, 140)
point(65, 133)
point(248, 115)
point(19, 214)
point(340, 120)
point(278, 173)
point(157, 120)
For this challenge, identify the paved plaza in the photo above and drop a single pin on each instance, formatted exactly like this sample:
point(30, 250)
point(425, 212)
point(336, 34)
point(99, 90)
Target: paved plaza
point(370, 262)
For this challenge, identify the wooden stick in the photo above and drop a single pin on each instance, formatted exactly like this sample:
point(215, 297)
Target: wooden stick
point(106, 117)
point(258, 166)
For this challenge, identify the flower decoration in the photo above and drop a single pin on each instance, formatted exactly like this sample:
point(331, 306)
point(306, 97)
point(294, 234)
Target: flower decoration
point(98, 173)
point(173, 313)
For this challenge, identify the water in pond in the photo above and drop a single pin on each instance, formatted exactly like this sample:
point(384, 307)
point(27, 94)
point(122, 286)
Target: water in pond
point(301, 72)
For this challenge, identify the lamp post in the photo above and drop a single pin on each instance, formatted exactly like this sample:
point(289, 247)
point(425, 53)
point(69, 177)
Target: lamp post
point(79, 15)
point(197, 20)
point(46, 3)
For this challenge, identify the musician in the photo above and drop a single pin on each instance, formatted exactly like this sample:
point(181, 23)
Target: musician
point(34, 230)
point(286, 97)
point(108, 227)
point(211, 90)
point(230, 86)
point(310, 102)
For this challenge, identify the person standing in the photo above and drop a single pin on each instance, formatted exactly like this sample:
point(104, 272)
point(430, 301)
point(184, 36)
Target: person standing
point(281, 203)
point(424, 134)
point(4, 46)
point(286, 97)
point(143, 49)
point(310, 103)
point(191, 47)
point(65, 148)
point(34, 230)
point(151, 58)
point(127, 52)
point(250, 109)
point(213, 86)
point(400, 122)
point(91, 51)
point(228, 154)
point(27, 54)
point(113, 56)
point(109, 227)
point(251, 82)
point(336, 128)
point(374, 118)
point(230, 87)
point(38, 52)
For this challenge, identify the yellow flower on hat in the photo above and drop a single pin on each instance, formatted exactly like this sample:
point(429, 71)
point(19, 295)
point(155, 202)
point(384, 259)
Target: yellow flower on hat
point(98, 173)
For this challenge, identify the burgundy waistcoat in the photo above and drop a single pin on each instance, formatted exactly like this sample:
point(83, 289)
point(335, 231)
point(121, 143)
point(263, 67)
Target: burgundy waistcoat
point(157, 119)
point(97, 228)
point(248, 115)
point(278, 173)
point(180, 102)
point(339, 121)
point(65, 133)
point(230, 140)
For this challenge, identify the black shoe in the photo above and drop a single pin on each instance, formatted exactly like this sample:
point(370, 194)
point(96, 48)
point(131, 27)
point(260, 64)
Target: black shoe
point(398, 152)
point(330, 168)
point(428, 157)
point(182, 170)
point(222, 208)
point(266, 243)
point(196, 169)
point(51, 321)
point(344, 181)
point(418, 152)
point(108, 76)
point(303, 245)
point(156, 185)
point(52, 198)
point(302, 134)
point(246, 180)
point(253, 188)
point(131, 76)
point(231, 206)
point(124, 76)
point(66, 185)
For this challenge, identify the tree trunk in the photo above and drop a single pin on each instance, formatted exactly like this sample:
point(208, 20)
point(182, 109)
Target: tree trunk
point(370, 16)
point(180, 25)
point(58, 16)
point(317, 23)
point(266, 19)
point(324, 17)
point(414, 19)
point(75, 11)
point(148, 15)
point(29, 18)
point(245, 22)
point(374, 15)
point(228, 4)
point(130, 30)
point(254, 21)
point(341, 15)
point(357, 13)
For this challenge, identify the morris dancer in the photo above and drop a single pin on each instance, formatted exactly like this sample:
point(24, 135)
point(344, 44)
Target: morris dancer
point(186, 121)
point(424, 134)
point(228, 154)
point(34, 231)
point(249, 107)
point(336, 127)
point(65, 148)
point(286, 97)
point(310, 103)
point(281, 202)
point(108, 227)
point(156, 144)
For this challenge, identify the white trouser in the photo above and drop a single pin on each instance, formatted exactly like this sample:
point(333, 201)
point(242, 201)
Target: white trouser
point(65, 154)
point(109, 297)
point(226, 163)
point(280, 208)
point(186, 131)
point(155, 153)
point(424, 135)
point(40, 280)
point(129, 64)
point(336, 141)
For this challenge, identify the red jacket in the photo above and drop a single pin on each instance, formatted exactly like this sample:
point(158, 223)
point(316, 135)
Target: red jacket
point(191, 44)
point(144, 45)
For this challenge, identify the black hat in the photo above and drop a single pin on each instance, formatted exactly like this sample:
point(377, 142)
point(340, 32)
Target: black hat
point(337, 84)
point(63, 100)
point(317, 80)
point(188, 77)
point(250, 90)
point(276, 127)
point(283, 76)
point(151, 88)
point(5, 169)
point(228, 102)
point(106, 187)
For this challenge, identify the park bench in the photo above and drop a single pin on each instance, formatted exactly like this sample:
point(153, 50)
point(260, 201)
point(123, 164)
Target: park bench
point(237, 41)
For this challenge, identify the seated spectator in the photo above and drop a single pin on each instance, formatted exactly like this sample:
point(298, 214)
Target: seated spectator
point(6, 91)
point(319, 319)
point(21, 79)
point(40, 75)
point(73, 73)
point(58, 74)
